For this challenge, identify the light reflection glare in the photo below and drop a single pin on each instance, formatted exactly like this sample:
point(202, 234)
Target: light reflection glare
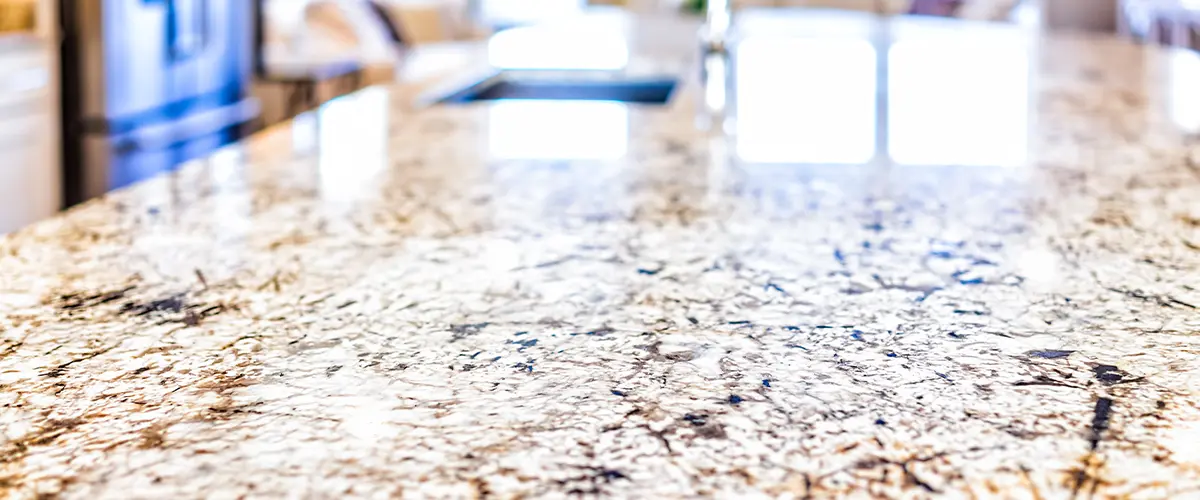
point(558, 129)
point(1181, 441)
point(230, 209)
point(958, 102)
point(352, 133)
point(575, 46)
point(1184, 90)
point(1040, 266)
point(225, 164)
point(805, 100)
point(304, 133)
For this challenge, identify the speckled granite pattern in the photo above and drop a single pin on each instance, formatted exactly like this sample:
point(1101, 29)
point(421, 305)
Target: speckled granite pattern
point(282, 321)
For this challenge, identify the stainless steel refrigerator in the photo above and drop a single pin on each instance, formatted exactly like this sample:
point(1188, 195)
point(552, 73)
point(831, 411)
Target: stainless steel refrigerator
point(149, 84)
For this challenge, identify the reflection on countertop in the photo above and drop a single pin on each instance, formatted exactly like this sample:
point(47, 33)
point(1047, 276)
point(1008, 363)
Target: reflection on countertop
point(963, 261)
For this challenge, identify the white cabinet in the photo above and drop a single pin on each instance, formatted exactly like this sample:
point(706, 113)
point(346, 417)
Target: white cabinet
point(30, 173)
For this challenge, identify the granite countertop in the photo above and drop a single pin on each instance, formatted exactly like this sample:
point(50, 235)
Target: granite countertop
point(963, 261)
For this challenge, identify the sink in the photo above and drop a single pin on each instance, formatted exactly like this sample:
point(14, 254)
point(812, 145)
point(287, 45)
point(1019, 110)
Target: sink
point(631, 90)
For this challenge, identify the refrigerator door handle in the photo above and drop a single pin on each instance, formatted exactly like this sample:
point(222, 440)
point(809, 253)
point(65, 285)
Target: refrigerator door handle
point(187, 27)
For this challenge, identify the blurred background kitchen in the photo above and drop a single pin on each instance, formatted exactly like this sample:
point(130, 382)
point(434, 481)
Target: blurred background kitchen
point(97, 94)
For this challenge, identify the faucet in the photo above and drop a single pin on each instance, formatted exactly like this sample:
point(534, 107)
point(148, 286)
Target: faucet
point(718, 21)
point(716, 66)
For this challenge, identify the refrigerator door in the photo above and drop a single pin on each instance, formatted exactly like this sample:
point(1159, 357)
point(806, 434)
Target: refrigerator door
point(154, 79)
point(156, 59)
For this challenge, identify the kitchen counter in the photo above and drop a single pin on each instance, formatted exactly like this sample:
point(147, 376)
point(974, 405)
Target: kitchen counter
point(963, 260)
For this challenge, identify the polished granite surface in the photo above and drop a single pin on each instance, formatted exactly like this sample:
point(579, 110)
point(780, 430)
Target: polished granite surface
point(964, 260)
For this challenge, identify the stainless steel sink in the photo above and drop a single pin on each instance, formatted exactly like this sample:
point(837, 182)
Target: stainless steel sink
point(656, 90)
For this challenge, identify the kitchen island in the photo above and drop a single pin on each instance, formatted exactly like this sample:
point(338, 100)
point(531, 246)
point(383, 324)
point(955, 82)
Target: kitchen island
point(964, 260)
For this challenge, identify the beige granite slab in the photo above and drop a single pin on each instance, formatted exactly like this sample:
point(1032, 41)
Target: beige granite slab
point(993, 297)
